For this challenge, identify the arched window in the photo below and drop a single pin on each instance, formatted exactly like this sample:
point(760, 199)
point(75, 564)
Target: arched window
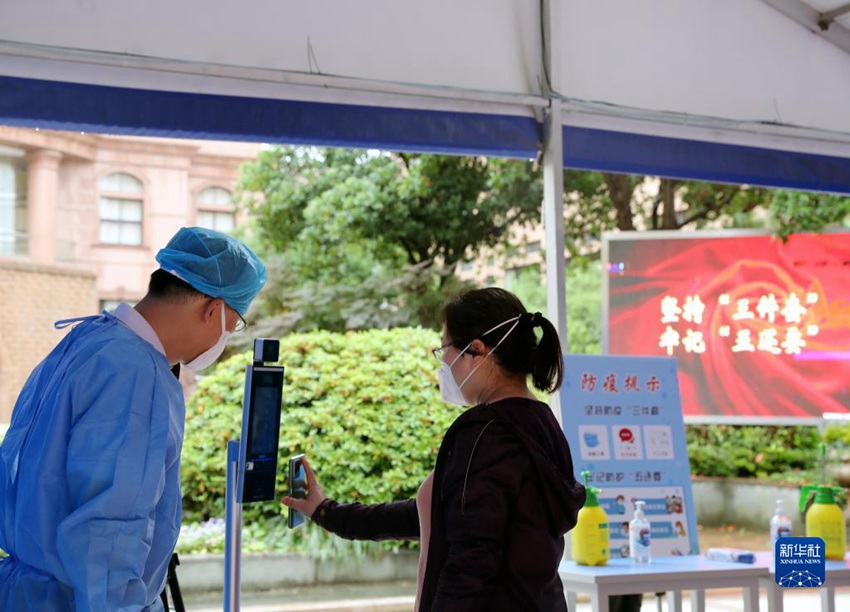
point(215, 210)
point(13, 202)
point(121, 198)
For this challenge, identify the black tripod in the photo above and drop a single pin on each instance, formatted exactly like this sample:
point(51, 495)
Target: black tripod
point(172, 585)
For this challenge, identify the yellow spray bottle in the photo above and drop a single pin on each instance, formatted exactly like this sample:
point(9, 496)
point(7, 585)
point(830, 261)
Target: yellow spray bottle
point(591, 535)
point(825, 519)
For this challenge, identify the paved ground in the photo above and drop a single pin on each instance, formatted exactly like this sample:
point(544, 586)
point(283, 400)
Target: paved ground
point(398, 597)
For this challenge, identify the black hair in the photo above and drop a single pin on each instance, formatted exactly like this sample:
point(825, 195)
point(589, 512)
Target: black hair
point(164, 285)
point(471, 315)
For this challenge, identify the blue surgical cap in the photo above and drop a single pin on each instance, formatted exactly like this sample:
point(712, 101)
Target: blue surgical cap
point(215, 264)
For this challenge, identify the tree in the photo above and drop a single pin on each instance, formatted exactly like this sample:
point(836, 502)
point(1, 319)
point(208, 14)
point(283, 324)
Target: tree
point(596, 202)
point(797, 211)
point(372, 239)
point(421, 209)
point(601, 201)
point(360, 239)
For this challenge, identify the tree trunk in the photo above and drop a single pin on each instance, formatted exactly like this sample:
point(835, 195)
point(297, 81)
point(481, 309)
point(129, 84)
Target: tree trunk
point(620, 189)
point(667, 189)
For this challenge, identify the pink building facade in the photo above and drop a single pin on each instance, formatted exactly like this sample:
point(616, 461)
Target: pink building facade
point(81, 219)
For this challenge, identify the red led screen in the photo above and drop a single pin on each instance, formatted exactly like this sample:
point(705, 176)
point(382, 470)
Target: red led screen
point(759, 329)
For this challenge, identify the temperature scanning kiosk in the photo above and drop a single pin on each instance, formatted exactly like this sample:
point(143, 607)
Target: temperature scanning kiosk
point(252, 460)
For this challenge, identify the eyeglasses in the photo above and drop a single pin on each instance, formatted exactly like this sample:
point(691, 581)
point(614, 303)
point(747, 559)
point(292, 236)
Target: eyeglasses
point(438, 352)
point(241, 324)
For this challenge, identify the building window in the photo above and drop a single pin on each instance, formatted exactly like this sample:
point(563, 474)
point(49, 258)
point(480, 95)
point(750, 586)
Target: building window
point(121, 197)
point(216, 220)
point(109, 305)
point(215, 210)
point(13, 203)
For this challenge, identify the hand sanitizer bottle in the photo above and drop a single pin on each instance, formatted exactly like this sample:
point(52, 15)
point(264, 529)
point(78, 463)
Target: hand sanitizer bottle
point(640, 536)
point(780, 525)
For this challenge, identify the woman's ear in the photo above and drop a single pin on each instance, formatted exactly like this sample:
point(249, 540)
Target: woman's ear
point(478, 348)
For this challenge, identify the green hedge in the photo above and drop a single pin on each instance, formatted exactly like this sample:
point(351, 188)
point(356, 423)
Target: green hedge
point(363, 406)
point(787, 453)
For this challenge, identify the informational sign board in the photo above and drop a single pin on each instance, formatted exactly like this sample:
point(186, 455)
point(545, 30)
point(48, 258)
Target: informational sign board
point(622, 417)
point(760, 327)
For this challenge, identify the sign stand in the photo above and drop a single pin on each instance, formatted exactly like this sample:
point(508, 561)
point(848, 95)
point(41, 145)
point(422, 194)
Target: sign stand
point(252, 460)
point(622, 417)
point(233, 532)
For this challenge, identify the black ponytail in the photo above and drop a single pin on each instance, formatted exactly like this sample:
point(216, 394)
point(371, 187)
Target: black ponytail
point(548, 371)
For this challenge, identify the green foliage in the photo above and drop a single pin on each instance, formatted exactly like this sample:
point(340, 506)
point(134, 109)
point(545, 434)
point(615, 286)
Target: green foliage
point(584, 302)
point(751, 451)
point(590, 209)
point(363, 406)
point(342, 209)
point(799, 211)
point(363, 239)
point(528, 285)
point(584, 308)
point(837, 435)
point(389, 298)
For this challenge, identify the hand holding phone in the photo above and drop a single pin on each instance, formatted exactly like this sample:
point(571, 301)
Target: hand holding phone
point(305, 492)
point(297, 488)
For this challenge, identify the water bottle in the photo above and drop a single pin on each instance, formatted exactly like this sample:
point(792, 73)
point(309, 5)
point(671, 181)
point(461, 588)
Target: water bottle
point(640, 535)
point(780, 524)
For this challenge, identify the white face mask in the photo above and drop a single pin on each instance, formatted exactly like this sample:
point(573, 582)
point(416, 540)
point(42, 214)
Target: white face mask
point(208, 357)
point(449, 389)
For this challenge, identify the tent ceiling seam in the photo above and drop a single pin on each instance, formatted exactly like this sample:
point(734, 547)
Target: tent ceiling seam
point(268, 76)
point(807, 16)
point(573, 105)
point(828, 17)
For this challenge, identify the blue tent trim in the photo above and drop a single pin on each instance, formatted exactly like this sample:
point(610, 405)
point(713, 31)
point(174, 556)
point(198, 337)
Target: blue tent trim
point(593, 149)
point(142, 112)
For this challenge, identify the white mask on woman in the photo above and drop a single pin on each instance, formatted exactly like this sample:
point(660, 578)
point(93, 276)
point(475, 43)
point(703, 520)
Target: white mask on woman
point(208, 357)
point(449, 389)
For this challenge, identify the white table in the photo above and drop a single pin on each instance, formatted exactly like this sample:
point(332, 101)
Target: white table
point(837, 574)
point(670, 574)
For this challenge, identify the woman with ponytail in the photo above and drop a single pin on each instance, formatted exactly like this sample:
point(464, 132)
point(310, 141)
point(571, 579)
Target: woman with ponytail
point(492, 515)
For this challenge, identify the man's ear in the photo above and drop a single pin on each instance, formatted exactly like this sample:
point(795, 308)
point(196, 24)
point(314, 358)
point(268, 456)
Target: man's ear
point(210, 308)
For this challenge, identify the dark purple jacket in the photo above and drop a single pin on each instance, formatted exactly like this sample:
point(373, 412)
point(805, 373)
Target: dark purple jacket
point(504, 496)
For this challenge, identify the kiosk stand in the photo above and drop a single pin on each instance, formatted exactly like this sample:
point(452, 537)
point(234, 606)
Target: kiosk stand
point(252, 460)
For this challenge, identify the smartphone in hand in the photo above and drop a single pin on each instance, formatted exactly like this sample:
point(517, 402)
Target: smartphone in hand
point(297, 488)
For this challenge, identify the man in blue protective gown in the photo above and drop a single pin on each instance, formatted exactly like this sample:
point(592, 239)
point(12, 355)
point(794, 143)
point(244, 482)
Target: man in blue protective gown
point(90, 500)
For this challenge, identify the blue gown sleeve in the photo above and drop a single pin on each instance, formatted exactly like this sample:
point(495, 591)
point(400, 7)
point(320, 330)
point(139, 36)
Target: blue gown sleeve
point(116, 464)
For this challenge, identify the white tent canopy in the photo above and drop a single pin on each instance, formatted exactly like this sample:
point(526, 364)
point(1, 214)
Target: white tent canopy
point(746, 91)
point(744, 75)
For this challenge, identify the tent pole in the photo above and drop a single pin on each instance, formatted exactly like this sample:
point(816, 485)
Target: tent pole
point(553, 223)
point(553, 178)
